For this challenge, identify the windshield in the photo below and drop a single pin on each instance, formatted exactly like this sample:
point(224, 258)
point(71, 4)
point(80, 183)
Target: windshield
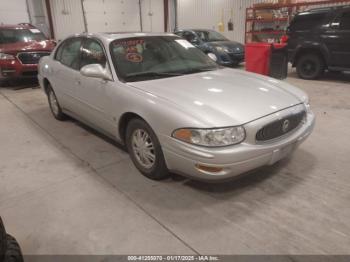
point(210, 36)
point(144, 58)
point(10, 36)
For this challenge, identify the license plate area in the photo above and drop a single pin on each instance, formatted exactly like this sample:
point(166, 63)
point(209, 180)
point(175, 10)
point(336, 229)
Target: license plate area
point(281, 153)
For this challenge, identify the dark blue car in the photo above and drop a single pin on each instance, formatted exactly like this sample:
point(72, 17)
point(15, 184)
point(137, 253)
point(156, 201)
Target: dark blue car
point(215, 45)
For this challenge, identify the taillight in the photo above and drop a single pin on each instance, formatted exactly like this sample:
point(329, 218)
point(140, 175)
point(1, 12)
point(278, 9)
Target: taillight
point(284, 39)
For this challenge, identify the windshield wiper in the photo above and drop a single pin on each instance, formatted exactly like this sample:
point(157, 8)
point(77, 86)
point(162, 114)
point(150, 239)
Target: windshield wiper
point(150, 74)
point(198, 70)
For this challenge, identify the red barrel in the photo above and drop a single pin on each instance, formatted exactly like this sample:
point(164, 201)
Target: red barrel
point(258, 57)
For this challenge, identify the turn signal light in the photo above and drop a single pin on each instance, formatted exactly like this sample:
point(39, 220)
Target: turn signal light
point(210, 169)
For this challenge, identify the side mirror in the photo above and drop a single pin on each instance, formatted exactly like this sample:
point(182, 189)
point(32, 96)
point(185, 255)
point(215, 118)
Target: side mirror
point(195, 41)
point(96, 71)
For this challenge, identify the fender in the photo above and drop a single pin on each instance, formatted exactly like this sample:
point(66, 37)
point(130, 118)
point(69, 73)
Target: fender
point(309, 46)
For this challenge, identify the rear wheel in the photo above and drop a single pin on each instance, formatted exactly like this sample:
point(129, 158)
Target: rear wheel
point(3, 240)
point(310, 66)
point(145, 150)
point(54, 105)
point(13, 252)
point(10, 250)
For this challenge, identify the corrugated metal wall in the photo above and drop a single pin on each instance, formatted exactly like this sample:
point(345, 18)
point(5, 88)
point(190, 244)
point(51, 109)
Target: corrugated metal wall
point(208, 14)
point(13, 12)
point(67, 16)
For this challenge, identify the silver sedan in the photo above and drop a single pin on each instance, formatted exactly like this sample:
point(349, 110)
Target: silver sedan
point(173, 107)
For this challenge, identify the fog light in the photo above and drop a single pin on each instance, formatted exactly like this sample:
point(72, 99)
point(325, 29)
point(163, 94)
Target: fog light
point(210, 169)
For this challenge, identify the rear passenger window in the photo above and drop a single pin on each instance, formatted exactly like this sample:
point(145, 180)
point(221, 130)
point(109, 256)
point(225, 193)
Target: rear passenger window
point(69, 53)
point(304, 22)
point(345, 21)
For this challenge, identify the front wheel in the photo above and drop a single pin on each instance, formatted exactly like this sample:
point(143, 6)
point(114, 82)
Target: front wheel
point(310, 66)
point(145, 150)
point(54, 105)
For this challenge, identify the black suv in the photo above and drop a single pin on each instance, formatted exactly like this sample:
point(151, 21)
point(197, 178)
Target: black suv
point(319, 39)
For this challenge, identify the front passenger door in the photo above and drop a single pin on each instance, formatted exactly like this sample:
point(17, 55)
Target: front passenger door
point(95, 94)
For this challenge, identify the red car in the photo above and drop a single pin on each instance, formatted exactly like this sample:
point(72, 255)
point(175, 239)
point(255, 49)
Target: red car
point(21, 47)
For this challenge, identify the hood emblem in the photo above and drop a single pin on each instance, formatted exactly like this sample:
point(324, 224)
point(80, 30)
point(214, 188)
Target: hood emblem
point(285, 125)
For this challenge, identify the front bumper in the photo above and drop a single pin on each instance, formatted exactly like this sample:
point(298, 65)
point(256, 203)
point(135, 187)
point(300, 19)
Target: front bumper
point(182, 158)
point(13, 69)
point(228, 59)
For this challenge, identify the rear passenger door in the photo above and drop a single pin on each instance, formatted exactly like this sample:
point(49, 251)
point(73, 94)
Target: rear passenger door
point(339, 44)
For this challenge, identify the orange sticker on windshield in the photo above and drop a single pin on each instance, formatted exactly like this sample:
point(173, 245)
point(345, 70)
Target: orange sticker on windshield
point(134, 57)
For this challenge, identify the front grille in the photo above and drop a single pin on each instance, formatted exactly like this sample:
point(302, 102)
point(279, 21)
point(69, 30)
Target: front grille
point(237, 56)
point(280, 127)
point(30, 73)
point(31, 58)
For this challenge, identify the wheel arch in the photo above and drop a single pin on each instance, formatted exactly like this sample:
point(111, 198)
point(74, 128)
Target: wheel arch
point(46, 84)
point(123, 124)
point(310, 50)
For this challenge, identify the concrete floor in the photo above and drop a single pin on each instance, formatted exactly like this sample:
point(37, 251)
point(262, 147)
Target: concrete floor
point(66, 190)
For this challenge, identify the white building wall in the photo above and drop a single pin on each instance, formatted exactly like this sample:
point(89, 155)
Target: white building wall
point(67, 16)
point(13, 12)
point(208, 14)
point(112, 15)
point(152, 15)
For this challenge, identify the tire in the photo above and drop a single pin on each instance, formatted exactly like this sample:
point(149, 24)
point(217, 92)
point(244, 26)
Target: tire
point(13, 252)
point(310, 66)
point(139, 134)
point(3, 241)
point(54, 105)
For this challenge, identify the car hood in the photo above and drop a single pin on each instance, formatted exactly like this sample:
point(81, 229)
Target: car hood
point(230, 45)
point(14, 48)
point(225, 97)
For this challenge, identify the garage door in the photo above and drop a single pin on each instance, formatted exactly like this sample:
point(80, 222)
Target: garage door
point(112, 15)
point(67, 18)
point(13, 12)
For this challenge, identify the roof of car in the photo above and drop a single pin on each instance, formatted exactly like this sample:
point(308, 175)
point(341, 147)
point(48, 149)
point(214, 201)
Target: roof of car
point(326, 9)
point(194, 29)
point(118, 35)
point(22, 26)
point(108, 37)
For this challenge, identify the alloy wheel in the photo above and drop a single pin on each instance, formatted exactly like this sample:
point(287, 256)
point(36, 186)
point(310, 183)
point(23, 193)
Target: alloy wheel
point(143, 148)
point(54, 103)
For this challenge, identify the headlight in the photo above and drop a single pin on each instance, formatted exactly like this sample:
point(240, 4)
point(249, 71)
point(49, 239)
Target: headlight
point(211, 137)
point(4, 56)
point(221, 49)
